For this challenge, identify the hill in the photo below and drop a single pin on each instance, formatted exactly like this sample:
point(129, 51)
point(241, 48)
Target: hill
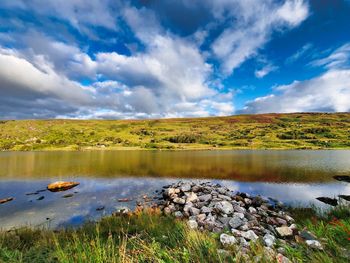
point(263, 131)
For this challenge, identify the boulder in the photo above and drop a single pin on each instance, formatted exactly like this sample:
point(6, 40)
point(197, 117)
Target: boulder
point(224, 207)
point(227, 240)
point(61, 186)
point(235, 222)
point(284, 231)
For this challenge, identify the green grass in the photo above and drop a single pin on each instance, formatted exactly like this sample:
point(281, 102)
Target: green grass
point(265, 131)
point(151, 237)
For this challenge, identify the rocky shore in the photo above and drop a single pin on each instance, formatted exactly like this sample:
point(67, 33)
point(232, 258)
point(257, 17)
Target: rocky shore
point(240, 219)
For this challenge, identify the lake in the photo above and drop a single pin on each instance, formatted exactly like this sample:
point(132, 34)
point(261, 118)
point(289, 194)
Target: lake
point(291, 176)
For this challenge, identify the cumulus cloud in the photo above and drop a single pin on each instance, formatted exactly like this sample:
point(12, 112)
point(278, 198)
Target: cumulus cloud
point(252, 26)
point(328, 92)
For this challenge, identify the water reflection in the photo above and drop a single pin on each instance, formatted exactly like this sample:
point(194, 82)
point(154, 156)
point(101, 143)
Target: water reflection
point(294, 177)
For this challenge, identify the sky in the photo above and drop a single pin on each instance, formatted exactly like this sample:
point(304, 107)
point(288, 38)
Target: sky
point(120, 59)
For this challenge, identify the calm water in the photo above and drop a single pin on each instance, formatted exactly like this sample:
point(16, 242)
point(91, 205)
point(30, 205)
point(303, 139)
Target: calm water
point(294, 177)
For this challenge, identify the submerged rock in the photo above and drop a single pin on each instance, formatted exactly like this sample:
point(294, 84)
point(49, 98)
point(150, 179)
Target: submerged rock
point(40, 198)
point(61, 186)
point(343, 178)
point(5, 200)
point(328, 200)
point(345, 197)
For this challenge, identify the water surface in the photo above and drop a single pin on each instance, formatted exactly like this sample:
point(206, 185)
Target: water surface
point(294, 177)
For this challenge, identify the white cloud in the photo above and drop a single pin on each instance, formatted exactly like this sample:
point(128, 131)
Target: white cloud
point(253, 23)
point(265, 70)
point(328, 92)
point(299, 53)
point(339, 58)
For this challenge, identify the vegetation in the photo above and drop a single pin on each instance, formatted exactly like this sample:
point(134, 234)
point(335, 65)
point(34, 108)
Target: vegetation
point(266, 131)
point(151, 237)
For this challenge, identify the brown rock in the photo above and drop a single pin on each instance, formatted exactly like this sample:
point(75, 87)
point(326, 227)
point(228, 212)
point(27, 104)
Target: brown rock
point(61, 186)
point(5, 200)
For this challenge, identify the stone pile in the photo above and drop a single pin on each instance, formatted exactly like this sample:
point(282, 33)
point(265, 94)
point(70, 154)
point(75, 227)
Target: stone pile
point(212, 207)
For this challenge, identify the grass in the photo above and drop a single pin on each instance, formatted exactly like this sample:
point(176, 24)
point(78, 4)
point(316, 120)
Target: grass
point(264, 131)
point(151, 237)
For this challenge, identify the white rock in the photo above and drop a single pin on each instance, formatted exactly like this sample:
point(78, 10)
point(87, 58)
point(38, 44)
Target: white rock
point(192, 224)
point(250, 235)
point(191, 197)
point(314, 244)
point(284, 231)
point(227, 240)
point(178, 214)
point(178, 200)
point(269, 240)
point(224, 207)
point(252, 210)
point(194, 211)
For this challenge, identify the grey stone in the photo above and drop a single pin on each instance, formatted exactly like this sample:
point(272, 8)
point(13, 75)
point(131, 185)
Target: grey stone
point(206, 210)
point(227, 240)
point(240, 215)
point(236, 222)
point(194, 211)
point(186, 187)
point(239, 209)
point(180, 201)
point(307, 235)
point(224, 207)
point(205, 198)
point(269, 240)
point(192, 224)
point(178, 214)
point(250, 235)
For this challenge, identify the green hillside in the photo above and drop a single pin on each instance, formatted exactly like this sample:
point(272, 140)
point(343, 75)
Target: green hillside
point(264, 131)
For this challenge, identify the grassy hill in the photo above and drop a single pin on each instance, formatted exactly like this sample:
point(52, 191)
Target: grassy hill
point(264, 131)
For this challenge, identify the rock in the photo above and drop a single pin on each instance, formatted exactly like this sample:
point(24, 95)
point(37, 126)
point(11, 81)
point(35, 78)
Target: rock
point(178, 214)
point(180, 201)
point(239, 209)
point(61, 186)
point(224, 207)
point(343, 178)
point(122, 211)
point(243, 242)
point(5, 200)
point(227, 240)
point(201, 217)
point(281, 250)
point(307, 235)
point(194, 211)
point(206, 210)
point(40, 198)
point(244, 227)
point(314, 244)
point(67, 196)
point(250, 235)
point(224, 197)
point(281, 221)
point(252, 210)
point(167, 210)
point(269, 240)
point(235, 222)
point(284, 231)
point(282, 259)
point(186, 187)
point(192, 224)
point(240, 215)
point(100, 208)
point(236, 232)
point(345, 197)
point(124, 200)
point(328, 200)
point(191, 197)
point(205, 198)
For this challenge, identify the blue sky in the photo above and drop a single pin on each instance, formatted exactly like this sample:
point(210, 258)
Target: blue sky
point(172, 58)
